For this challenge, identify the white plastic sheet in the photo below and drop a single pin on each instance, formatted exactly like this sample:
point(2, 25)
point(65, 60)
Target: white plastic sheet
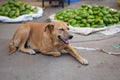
point(109, 30)
point(26, 17)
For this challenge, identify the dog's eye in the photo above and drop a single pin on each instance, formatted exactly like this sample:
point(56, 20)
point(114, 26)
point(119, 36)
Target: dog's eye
point(61, 29)
point(68, 28)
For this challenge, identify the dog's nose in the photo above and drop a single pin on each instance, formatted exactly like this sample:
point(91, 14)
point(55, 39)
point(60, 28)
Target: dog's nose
point(70, 36)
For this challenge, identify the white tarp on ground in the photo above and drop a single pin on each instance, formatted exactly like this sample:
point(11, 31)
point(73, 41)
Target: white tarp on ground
point(86, 31)
point(26, 17)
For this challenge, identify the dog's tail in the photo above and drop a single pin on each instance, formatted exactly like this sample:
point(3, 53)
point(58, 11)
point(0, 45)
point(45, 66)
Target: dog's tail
point(12, 47)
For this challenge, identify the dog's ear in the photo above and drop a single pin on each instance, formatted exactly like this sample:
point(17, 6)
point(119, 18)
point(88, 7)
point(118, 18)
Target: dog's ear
point(49, 27)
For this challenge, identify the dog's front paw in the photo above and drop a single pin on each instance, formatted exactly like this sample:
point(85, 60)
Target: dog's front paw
point(32, 52)
point(84, 61)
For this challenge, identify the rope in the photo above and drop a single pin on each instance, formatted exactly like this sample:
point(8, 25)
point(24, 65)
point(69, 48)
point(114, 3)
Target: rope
point(96, 49)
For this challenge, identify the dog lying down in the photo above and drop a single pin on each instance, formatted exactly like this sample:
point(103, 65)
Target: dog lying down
point(47, 38)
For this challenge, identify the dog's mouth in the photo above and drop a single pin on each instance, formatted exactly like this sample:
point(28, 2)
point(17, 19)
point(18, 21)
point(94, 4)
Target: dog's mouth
point(63, 40)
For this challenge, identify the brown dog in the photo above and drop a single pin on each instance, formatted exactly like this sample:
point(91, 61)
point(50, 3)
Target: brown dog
point(47, 38)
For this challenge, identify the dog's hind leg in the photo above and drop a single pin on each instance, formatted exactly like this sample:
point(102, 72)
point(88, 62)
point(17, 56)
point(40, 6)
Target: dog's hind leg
point(24, 39)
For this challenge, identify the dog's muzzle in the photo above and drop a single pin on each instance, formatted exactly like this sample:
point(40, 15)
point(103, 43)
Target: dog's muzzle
point(65, 40)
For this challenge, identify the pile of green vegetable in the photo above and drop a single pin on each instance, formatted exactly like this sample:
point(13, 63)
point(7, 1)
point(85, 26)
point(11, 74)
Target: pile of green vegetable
point(16, 8)
point(96, 16)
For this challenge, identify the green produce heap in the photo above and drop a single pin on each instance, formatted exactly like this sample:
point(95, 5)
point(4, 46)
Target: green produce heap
point(16, 8)
point(96, 16)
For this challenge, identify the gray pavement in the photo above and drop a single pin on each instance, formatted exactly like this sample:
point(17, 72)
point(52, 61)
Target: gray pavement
point(41, 67)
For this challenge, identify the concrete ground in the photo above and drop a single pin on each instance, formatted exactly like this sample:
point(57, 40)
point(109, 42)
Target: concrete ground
point(41, 67)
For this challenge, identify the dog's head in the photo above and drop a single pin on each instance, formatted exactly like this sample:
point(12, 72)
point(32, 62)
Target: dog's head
point(60, 30)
